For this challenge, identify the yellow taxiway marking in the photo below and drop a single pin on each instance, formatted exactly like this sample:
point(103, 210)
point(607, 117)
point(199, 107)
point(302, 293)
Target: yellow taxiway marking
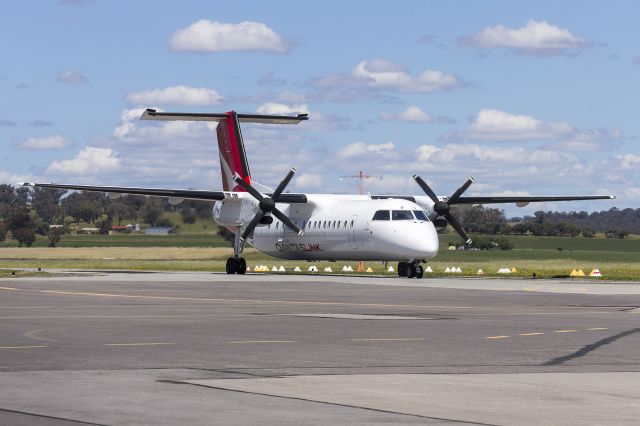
point(406, 339)
point(139, 344)
point(565, 331)
point(531, 334)
point(596, 329)
point(7, 288)
point(23, 347)
point(243, 342)
point(497, 337)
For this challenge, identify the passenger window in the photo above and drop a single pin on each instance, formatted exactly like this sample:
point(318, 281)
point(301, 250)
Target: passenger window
point(420, 215)
point(381, 215)
point(352, 223)
point(345, 224)
point(401, 215)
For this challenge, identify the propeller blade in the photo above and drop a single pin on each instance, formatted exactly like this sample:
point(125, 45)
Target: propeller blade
point(458, 227)
point(425, 188)
point(250, 189)
point(252, 225)
point(283, 184)
point(460, 190)
point(277, 213)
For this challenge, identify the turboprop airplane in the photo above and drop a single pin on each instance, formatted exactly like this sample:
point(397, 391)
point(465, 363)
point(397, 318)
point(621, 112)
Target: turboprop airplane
point(313, 227)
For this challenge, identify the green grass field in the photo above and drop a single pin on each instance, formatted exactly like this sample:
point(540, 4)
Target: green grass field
point(545, 256)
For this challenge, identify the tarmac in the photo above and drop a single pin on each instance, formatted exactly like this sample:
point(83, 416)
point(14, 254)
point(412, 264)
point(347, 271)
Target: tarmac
point(201, 348)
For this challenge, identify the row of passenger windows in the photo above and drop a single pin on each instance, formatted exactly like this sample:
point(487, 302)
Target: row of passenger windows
point(399, 215)
point(318, 224)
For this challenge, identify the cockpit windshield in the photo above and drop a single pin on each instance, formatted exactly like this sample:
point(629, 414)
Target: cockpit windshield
point(420, 215)
point(381, 215)
point(401, 215)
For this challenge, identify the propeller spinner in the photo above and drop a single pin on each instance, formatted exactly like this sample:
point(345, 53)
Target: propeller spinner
point(441, 208)
point(267, 204)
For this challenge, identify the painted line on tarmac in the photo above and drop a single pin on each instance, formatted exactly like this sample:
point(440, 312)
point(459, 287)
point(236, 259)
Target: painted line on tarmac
point(596, 329)
point(256, 301)
point(247, 342)
point(140, 344)
point(7, 288)
point(537, 333)
point(497, 337)
point(565, 331)
point(24, 347)
point(406, 339)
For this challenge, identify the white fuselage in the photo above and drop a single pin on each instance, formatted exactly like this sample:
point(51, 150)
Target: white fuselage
point(338, 227)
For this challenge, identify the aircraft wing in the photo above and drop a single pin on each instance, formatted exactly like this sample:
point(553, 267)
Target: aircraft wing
point(505, 200)
point(158, 192)
point(526, 199)
point(188, 194)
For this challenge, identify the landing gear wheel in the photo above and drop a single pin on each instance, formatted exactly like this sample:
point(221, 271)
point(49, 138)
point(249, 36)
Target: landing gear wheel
point(242, 266)
point(411, 271)
point(232, 265)
point(419, 271)
point(403, 268)
point(414, 270)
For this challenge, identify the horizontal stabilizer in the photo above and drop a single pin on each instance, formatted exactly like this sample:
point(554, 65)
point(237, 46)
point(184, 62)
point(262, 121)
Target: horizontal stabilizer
point(152, 114)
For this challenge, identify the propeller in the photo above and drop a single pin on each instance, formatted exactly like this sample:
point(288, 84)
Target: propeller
point(267, 204)
point(441, 208)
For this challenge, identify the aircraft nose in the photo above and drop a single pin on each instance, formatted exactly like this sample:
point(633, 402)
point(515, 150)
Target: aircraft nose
point(427, 242)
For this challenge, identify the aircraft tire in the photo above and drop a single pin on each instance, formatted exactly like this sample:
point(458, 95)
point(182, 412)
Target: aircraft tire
point(419, 271)
point(403, 268)
point(232, 266)
point(241, 266)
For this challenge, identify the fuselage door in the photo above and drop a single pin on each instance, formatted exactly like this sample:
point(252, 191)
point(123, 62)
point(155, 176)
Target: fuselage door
point(352, 231)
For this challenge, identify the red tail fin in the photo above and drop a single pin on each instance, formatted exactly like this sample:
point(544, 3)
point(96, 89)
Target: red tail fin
point(233, 158)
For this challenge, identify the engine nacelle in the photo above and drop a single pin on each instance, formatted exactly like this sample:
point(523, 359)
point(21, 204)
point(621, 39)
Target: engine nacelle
point(234, 211)
point(440, 223)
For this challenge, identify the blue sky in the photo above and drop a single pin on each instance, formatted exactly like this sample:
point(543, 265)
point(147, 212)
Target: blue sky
point(532, 98)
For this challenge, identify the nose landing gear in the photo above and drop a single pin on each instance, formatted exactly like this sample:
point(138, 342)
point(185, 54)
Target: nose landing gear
point(410, 269)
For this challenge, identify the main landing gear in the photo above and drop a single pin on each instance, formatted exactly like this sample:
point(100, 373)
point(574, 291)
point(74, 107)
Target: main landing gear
point(410, 269)
point(237, 264)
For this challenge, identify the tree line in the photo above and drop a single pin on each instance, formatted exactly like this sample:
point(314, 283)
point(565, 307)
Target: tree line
point(25, 212)
point(615, 223)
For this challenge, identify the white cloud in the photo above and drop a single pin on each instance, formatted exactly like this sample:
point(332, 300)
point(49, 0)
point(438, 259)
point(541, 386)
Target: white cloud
point(308, 181)
point(273, 108)
point(412, 114)
point(317, 121)
point(537, 37)
point(176, 95)
point(50, 142)
point(212, 36)
point(628, 161)
point(493, 125)
point(385, 74)
point(70, 77)
point(370, 77)
point(361, 148)
point(89, 161)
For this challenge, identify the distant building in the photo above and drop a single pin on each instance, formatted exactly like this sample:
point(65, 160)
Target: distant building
point(88, 231)
point(159, 230)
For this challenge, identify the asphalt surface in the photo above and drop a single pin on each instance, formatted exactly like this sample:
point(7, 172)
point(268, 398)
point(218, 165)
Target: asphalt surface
point(196, 348)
